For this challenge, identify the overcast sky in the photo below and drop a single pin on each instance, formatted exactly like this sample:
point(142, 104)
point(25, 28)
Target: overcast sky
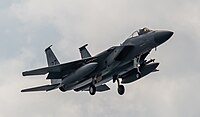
point(27, 27)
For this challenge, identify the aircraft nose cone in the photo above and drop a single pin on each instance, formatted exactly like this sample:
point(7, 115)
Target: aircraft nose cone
point(162, 36)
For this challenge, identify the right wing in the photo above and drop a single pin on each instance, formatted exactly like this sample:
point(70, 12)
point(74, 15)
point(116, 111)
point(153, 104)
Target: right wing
point(68, 67)
point(41, 88)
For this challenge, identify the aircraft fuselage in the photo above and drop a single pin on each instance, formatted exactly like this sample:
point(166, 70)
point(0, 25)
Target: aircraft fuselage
point(126, 61)
point(109, 66)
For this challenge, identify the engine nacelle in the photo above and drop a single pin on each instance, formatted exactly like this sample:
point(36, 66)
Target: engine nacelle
point(130, 76)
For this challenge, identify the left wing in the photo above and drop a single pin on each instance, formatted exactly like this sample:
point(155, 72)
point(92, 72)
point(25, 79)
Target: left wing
point(68, 67)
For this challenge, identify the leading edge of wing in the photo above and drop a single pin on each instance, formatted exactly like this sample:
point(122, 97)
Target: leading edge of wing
point(41, 88)
point(57, 68)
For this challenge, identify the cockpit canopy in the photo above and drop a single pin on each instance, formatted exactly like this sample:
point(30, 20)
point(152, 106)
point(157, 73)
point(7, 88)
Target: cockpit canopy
point(140, 32)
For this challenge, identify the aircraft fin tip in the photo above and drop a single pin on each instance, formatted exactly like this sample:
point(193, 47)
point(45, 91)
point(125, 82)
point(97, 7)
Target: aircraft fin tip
point(48, 47)
point(82, 47)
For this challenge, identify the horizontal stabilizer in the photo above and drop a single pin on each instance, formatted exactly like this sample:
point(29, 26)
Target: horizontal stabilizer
point(41, 88)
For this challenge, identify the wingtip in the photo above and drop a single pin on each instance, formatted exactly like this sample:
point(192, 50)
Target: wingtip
point(23, 91)
point(23, 74)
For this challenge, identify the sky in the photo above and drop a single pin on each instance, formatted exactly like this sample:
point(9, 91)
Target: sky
point(27, 27)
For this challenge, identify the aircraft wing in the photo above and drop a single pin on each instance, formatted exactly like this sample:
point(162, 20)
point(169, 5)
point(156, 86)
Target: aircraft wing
point(68, 67)
point(41, 88)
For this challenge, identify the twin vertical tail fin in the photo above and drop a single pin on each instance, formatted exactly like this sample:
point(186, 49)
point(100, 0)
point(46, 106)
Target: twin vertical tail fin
point(52, 60)
point(84, 52)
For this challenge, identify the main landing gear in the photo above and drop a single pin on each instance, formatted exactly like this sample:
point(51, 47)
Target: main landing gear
point(138, 74)
point(92, 90)
point(121, 88)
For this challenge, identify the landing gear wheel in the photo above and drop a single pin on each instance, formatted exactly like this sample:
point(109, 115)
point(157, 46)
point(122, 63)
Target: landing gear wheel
point(121, 89)
point(62, 89)
point(92, 90)
point(138, 75)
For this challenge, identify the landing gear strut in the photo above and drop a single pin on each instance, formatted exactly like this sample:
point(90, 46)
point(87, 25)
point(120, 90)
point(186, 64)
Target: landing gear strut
point(136, 63)
point(120, 88)
point(92, 88)
point(138, 74)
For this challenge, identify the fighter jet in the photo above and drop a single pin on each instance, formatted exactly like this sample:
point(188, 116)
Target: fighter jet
point(123, 64)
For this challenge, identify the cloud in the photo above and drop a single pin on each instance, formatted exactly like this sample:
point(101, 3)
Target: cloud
point(28, 27)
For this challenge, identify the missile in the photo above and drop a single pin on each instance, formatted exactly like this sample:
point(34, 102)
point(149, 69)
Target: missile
point(80, 73)
point(130, 76)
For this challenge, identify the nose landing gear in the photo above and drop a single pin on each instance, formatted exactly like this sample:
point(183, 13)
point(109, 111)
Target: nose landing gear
point(138, 74)
point(136, 64)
